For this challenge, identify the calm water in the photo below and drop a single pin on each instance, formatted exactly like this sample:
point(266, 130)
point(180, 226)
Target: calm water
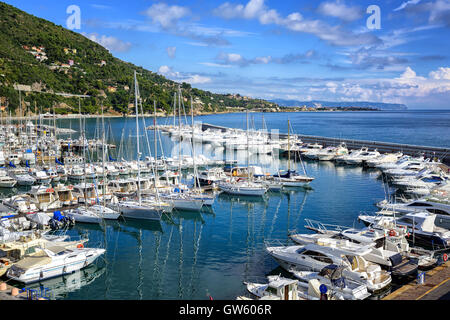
point(197, 255)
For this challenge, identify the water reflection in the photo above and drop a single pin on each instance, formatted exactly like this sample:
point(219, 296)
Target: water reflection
point(60, 287)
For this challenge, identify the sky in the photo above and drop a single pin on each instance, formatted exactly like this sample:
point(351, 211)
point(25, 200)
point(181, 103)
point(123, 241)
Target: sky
point(393, 51)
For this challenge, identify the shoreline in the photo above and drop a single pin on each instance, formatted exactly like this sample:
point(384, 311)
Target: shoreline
point(48, 116)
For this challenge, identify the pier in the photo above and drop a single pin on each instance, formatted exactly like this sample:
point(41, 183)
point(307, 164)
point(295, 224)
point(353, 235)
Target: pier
point(436, 286)
point(383, 147)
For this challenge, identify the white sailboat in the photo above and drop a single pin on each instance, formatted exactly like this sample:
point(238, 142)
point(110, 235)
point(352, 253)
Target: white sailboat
point(138, 209)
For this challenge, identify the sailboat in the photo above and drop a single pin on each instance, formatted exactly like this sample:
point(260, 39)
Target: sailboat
point(182, 200)
point(138, 209)
point(291, 178)
point(242, 187)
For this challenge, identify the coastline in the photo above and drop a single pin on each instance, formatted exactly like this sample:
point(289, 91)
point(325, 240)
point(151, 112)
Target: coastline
point(165, 115)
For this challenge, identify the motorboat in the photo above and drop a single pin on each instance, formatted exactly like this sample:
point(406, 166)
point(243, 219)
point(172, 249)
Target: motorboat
point(383, 159)
point(53, 262)
point(42, 177)
point(362, 157)
point(389, 247)
point(14, 251)
point(332, 277)
point(330, 153)
point(421, 228)
point(280, 288)
point(313, 257)
point(44, 197)
point(22, 177)
point(65, 195)
point(7, 182)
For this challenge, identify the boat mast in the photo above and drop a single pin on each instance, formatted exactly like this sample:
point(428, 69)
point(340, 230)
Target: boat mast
point(248, 168)
point(137, 138)
point(179, 131)
point(289, 147)
point(156, 143)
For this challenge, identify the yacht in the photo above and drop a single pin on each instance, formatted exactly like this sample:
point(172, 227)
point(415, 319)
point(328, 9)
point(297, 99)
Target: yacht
point(383, 159)
point(421, 227)
point(313, 257)
point(331, 276)
point(53, 262)
point(330, 153)
point(22, 177)
point(6, 181)
point(362, 157)
point(389, 249)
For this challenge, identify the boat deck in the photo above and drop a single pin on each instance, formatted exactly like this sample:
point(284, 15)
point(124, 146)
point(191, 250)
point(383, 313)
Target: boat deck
point(435, 287)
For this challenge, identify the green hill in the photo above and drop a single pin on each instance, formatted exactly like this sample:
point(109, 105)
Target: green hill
point(46, 59)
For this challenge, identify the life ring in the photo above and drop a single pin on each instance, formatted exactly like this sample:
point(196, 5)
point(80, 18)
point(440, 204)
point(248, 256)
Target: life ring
point(445, 257)
point(209, 181)
point(392, 233)
point(80, 246)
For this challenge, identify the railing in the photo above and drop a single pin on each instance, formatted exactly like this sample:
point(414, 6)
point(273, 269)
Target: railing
point(323, 228)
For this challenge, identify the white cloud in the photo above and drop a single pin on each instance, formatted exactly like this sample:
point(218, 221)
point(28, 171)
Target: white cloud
point(336, 35)
point(171, 52)
point(339, 10)
point(179, 77)
point(110, 43)
point(405, 4)
point(441, 74)
point(166, 16)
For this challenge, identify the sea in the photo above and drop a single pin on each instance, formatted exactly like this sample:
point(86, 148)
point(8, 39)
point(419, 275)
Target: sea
point(210, 254)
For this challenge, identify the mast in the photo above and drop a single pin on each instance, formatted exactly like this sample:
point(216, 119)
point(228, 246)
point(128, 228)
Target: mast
point(137, 138)
point(289, 148)
point(248, 168)
point(179, 131)
point(156, 143)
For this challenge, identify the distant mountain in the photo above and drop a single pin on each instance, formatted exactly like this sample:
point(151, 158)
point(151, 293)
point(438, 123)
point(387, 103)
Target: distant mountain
point(43, 60)
point(350, 104)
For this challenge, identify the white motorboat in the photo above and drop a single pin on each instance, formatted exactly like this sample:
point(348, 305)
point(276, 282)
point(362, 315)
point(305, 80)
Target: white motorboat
point(362, 157)
point(22, 177)
point(42, 177)
point(383, 159)
point(389, 247)
point(279, 288)
point(331, 276)
point(421, 228)
point(7, 182)
point(53, 262)
point(313, 257)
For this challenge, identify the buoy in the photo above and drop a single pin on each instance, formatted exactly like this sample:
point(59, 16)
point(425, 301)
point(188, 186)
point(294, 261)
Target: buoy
point(3, 286)
point(79, 246)
point(445, 257)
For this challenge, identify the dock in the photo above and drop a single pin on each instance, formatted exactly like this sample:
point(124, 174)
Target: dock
point(6, 293)
point(383, 147)
point(436, 286)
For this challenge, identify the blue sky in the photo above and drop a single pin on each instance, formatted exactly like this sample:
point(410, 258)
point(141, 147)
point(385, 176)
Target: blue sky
point(301, 50)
